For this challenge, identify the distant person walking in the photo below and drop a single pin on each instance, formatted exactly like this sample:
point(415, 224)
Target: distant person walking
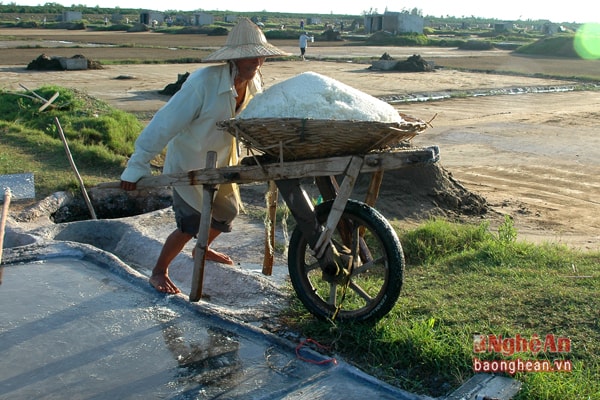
point(303, 42)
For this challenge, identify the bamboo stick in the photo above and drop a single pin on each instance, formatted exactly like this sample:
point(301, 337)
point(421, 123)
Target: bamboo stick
point(74, 167)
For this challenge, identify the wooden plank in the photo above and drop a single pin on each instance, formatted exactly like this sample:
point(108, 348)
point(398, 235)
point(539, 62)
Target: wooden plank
point(289, 170)
point(339, 204)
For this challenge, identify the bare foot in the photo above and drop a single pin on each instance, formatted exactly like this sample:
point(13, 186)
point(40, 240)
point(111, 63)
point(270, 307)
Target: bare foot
point(163, 284)
point(218, 257)
point(212, 255)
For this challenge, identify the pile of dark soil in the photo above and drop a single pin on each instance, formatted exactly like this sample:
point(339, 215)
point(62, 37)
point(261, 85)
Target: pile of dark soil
point(45, 63)
point(173, 88)
point(414, 63)
point(422, 192)
point(48, 63)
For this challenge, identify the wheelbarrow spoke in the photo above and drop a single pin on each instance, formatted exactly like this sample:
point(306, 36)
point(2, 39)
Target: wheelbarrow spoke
point(361, 292)
point(333, 294)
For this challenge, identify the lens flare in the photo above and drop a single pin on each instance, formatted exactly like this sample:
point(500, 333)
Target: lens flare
point(587, 41)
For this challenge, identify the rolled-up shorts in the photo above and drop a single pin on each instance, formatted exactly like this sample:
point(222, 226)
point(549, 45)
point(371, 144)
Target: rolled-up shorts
point(225, 209)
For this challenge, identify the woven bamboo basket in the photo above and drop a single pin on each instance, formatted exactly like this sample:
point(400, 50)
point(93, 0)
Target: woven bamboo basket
point(291, 139)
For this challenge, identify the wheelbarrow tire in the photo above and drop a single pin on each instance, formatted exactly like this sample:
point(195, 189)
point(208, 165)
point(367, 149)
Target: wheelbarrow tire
point(377, 276)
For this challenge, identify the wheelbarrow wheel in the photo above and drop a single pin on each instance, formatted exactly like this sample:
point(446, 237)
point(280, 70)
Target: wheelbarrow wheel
point(376, 267)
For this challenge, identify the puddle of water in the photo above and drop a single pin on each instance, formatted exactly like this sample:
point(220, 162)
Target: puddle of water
point(21, 186)
point(419, 97)
point(59, 43)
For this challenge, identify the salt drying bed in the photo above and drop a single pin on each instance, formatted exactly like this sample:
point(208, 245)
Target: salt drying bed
point(77, 323)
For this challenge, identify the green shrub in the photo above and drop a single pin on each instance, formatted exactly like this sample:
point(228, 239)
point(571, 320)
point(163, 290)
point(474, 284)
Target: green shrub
point(280, 34)
point(28, 24)
point(476, 45)
point(218, 31)
point(388, 39)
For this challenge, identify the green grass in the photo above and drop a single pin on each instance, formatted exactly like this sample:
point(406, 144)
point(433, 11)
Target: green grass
point(99, 137)
point(463, 280)
point(557, 46)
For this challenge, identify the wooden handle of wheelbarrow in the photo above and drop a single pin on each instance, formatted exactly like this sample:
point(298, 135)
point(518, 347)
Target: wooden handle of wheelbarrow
point(5, 205)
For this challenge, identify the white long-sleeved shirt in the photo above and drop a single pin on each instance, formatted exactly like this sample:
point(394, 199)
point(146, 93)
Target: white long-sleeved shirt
point(186, 125)
point(303, 41)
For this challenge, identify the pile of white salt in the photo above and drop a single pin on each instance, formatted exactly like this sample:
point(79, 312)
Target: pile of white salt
point(314, 96)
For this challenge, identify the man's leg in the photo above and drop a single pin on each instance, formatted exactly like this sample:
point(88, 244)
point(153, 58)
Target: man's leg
point(213, 255)
point(171, 248)
point(225, 209)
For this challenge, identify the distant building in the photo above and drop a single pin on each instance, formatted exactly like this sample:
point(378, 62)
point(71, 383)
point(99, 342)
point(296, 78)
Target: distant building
point(551, 29)
point(183, 20)
point(394, 22)
point(231, 18)
point(70, 16)
point(503, 26)
point(203, 19)
point(152, 18)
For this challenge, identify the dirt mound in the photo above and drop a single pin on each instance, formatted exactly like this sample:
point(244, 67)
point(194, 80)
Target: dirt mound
point(173, 88)
point(422, 192)
point(47, 63)
point(414, 63)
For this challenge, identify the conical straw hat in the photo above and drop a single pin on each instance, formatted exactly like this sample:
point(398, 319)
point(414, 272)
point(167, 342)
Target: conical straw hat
point(245, 40)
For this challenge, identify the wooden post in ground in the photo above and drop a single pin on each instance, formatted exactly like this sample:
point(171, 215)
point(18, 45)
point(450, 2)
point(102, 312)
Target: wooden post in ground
point(268, 260)
point(374, 186)
point(5, 205)
point(203, 232)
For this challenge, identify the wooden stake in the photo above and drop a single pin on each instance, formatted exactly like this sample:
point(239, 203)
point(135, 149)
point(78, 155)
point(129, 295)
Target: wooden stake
point(374, 186)
point(270, 229)
point(203, 232)
point(5, 205)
